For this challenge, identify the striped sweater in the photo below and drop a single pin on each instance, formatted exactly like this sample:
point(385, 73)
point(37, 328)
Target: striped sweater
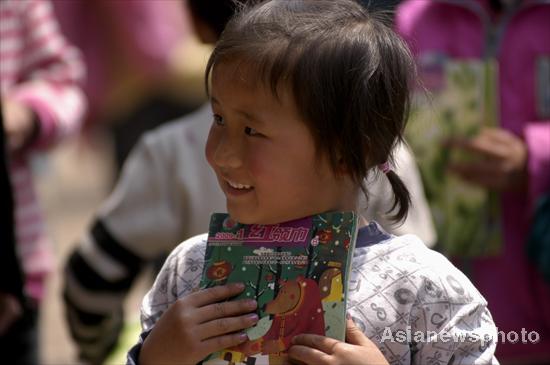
point(39, 69)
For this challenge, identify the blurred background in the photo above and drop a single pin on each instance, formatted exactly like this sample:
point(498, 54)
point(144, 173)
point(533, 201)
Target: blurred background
point(75, 177)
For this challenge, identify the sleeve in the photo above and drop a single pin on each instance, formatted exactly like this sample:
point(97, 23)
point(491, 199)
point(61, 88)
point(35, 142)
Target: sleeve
point(161, 295)
point(101, 270)
point(469, 337)
point(98, 276)
point(51, 74)
point(451, 323)
point(133, 355)
point(179, 276)
point(537, 138)
point(146, 210)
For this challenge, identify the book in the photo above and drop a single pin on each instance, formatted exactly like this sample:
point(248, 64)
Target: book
point(297, 271)
point(461, 99)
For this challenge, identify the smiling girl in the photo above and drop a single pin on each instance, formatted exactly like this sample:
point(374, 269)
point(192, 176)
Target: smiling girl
point(309, 98)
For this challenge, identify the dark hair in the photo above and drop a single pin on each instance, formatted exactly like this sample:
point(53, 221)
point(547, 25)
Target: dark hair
point(348, 72)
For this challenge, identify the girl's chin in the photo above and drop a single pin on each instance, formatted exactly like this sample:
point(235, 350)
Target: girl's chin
point(243, 215)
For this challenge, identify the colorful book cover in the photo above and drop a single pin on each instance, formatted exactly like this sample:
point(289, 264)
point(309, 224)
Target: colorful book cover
point(297, 272)
point(460, 99)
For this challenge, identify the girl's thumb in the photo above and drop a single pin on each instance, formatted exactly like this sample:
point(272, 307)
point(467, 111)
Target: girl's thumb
point(354, 335)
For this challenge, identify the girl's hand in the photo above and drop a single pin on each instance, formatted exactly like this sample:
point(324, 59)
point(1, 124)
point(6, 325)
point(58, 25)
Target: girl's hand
point(320, 350)
point(198, 325)
point(499, 159)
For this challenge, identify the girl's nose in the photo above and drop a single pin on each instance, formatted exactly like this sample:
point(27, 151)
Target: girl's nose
point(228, 153)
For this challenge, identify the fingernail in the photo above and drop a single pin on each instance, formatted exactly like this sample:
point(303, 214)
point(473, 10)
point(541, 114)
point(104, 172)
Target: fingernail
point(253, 317)
point(251, 303)
point(239, 286)
point(242, 337)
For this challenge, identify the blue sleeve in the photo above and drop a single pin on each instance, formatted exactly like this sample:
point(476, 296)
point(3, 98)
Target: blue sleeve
point(133, 355)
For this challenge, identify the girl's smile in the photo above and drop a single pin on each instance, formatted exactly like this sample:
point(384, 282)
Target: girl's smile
point(236, 189)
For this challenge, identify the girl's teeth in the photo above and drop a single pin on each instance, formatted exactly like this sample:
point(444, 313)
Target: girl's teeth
point(239, 186)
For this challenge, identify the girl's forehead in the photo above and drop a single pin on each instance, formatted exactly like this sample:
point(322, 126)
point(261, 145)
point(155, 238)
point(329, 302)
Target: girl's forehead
point(237, 71)
point(232, 75)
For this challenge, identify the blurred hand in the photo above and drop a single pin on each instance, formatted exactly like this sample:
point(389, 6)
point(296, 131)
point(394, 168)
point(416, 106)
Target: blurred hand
point(321, 350)
point(498, 159)
point(19, 124)
point(10, 311)
point(198, 325)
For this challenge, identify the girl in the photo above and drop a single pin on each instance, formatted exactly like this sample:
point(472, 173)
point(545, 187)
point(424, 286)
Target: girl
point(308, 98)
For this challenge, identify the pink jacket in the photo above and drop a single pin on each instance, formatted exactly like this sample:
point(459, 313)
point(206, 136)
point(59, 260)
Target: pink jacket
point(517, 296)
point(39, 69)
point(114, 34)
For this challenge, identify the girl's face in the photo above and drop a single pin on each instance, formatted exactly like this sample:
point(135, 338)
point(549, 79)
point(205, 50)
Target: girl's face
point(264, 155)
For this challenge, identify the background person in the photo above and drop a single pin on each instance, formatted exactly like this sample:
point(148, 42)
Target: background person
point(42, 103)
point(513, 158)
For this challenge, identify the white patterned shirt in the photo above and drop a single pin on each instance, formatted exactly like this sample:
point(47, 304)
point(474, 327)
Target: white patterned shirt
point(409, 300)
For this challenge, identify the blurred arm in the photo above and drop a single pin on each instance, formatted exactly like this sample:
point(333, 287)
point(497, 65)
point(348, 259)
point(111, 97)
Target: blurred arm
point(45, 71)
point(138, 222)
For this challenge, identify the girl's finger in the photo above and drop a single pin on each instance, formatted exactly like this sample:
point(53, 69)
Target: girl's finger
point(499, 135)
point(225, 309)
point(308, 355)
point(354, 335)
point(481, 145)
point(219, 343)
point(321, 343)
point(226, 325)
point(215, 294)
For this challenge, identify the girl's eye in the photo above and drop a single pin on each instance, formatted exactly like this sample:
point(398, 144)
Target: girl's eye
point(218, 119)
point(251, 131)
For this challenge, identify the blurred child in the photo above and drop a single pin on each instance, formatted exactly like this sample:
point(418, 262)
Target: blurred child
point(308, 98)
point(512, 158)
point(41, 103)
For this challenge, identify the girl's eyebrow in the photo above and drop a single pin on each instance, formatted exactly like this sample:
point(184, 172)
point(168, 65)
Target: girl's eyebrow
point(247, 115)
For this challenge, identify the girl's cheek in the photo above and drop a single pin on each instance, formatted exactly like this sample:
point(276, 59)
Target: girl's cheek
point(260, 163)
point(211, 146)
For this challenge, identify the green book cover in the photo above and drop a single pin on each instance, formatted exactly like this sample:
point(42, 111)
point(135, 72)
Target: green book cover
point(297, 271)
point(460, 100)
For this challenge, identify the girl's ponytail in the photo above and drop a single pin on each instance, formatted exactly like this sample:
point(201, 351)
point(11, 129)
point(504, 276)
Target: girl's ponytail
point(402, 197)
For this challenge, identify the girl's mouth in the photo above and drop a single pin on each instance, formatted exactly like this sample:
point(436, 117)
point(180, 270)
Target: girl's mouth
point(234, 188)
point(238, 186)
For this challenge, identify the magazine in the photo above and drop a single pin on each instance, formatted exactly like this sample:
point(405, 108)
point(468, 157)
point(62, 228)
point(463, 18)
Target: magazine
point(461, 98)
point(297, 272)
